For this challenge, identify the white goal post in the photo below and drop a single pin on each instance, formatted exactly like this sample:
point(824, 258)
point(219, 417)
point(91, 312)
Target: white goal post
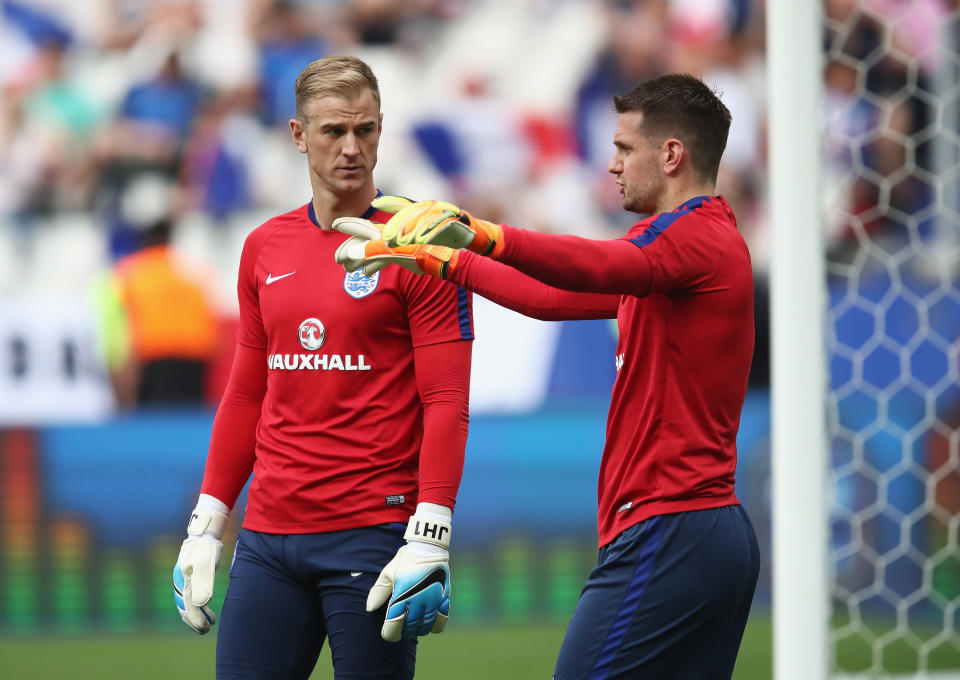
point(798, 437)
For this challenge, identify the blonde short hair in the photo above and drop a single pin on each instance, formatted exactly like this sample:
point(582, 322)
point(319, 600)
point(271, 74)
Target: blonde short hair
point(334, 76)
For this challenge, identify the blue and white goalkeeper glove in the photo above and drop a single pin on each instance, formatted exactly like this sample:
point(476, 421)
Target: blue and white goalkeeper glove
point(198, 560)
point(415, 584)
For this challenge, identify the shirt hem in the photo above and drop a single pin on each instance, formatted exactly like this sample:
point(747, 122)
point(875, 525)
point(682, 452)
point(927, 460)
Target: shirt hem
point(321, 527)
point(662, 507)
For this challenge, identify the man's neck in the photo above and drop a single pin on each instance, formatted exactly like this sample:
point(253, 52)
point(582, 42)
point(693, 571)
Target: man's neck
point(328, 206)
point(679, 195)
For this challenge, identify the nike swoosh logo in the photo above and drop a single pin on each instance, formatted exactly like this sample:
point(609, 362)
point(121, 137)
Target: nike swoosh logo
point(435, 576)
point(355, 574)
point(271, 278)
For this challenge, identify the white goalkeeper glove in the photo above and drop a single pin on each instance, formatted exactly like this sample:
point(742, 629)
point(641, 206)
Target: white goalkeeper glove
point(415, 584)
point(198, 560)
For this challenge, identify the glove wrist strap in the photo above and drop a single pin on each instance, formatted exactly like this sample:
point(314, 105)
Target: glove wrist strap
point(206, 521)
point(428, 530)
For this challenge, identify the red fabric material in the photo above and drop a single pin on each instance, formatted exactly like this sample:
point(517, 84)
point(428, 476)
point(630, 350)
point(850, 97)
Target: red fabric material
point(515, 290)
point(578, 264)
point(683, 355)
point(443, 380)
point(231, 454)
point(342, 421)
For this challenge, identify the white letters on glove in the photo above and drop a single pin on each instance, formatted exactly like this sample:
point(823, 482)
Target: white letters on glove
point(415, 584)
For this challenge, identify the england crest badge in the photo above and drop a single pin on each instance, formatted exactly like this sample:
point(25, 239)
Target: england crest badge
point(357, 285)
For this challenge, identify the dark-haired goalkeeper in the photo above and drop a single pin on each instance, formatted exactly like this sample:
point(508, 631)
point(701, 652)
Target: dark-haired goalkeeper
point(678, 560)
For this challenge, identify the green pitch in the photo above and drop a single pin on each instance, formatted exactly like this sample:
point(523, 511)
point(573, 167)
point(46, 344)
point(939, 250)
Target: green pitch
point(464, 652)
point(461, 653)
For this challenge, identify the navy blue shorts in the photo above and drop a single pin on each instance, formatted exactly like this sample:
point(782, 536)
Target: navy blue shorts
point(668, 599)
point(289, 593)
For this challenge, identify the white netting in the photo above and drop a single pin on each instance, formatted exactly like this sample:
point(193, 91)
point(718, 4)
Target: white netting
point(892, 128)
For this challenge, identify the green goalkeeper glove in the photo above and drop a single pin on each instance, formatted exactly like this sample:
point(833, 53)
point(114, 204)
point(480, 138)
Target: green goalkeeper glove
point(437, 223)
point(415, 584)
point(199, 556)
point(366, 249)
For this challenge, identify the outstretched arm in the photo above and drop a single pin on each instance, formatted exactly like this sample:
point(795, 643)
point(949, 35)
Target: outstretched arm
point(578, 264)
point(567, 262)
point(515, 290)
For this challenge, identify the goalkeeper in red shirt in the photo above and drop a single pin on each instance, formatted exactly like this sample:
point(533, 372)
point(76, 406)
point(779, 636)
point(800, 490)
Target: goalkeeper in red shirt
point(347, 402)
point(678, 561)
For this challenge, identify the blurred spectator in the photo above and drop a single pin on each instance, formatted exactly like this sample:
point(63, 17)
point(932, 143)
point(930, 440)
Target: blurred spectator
point(147, 137)
point(62, 118)
point(291, 35)
point(377, 22)
point(153, 121)
point(215, 173)
point(634, 53)
point(399, 23)
point(159, 323)
point(49, 121)
point(128, 24)
point(164, 106)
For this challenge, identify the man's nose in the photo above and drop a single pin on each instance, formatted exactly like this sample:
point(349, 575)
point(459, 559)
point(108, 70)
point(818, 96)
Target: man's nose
point(350, 146)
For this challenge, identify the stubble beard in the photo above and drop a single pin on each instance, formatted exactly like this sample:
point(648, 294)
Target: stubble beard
point(642, 202)
point(342, 186)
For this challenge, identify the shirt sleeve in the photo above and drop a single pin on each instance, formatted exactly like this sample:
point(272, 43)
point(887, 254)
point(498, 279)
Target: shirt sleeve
point(674, 254)
point(443, 380)
point(437, 311)
point(250, 331)
point(578, 264)
point(681, 252)
point(232, 442)
point(515, 290)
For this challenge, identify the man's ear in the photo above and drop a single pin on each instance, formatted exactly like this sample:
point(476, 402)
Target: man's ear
point(674, 154)
point(297, 131)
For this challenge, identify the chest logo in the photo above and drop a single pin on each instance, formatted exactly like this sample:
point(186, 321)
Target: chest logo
point(271, 278)
point(312, 334)
point(357, 285)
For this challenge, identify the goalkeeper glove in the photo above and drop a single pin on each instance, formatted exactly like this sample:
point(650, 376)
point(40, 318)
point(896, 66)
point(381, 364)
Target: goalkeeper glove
point(367, 250)
point(415, 585)
point(199, 557)
point(437, 223)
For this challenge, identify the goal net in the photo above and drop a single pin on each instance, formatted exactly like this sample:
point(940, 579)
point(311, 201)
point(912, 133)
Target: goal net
point(891, 190)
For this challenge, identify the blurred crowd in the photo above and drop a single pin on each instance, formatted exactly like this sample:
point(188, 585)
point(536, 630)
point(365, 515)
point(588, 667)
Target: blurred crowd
point(502, 106)
point(97, 94)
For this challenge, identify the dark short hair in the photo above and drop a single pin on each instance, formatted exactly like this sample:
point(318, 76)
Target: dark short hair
point(680, 105)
